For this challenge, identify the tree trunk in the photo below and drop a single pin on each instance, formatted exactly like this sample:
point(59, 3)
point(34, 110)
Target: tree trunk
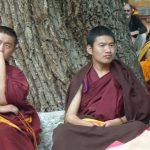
point(52, 37)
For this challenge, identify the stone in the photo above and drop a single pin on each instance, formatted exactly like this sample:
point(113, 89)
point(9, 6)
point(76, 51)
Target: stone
point(49, 121)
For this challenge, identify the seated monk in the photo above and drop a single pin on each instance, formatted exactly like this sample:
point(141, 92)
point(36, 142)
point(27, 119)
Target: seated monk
point(144, 58)
point(19, 122)
point(105, 101)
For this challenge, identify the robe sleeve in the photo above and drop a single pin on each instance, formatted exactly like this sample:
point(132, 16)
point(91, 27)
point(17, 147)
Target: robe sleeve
point(17, 86)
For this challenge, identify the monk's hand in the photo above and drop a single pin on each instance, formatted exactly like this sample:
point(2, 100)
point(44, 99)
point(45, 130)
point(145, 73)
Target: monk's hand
point(13, 109)
point(113, 122)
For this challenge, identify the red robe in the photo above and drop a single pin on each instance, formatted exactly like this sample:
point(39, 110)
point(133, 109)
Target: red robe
point(96, 101)
point(136, 104)
point(16, 93)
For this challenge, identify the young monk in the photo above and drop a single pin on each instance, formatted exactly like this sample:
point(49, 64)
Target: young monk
point(105, 101)
point(19, 122)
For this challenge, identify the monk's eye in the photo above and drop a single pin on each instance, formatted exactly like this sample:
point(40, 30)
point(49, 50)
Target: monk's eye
point(112, 45)
point(102, 45)
point(7, 46)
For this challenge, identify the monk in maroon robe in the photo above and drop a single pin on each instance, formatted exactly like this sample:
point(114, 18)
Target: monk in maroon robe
point(19, 121)
point(105, 101)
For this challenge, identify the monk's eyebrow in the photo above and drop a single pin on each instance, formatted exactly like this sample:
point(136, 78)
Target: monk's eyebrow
point(106, 43)
point(8, 43)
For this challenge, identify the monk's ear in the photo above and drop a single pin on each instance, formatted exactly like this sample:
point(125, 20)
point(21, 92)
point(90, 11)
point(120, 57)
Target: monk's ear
point(89, 49)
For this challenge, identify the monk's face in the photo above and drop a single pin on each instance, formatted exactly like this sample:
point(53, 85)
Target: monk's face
point(103, 50)
point(7, 45)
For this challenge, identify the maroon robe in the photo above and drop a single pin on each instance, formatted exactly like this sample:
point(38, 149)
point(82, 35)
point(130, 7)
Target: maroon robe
point(16, 93)
point(136, 104)
point(95, 101)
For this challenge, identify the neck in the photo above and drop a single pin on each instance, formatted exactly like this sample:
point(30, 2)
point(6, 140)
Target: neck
point(101, 69)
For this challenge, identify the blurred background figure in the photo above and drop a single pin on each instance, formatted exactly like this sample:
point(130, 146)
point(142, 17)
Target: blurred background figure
point(144, 58)
point(137, 28)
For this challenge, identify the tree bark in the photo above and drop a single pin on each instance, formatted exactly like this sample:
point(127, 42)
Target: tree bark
point(52, 42)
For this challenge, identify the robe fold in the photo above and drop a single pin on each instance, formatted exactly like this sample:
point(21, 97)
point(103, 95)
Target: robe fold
point(136, 105)
point(11, 138)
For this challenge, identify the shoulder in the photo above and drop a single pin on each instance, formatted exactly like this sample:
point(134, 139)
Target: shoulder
point(136, 18)
point(81, 73)
point(75, 84)
point(120, 66)
point(16, 78)
point(14, 71)
point(11, 68)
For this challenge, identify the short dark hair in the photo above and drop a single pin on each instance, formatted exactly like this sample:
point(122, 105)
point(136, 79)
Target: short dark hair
point(98, 31)
point(9, 31)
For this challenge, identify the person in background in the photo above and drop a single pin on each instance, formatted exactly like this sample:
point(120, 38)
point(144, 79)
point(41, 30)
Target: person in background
point(19, 122)
point(105, 101)
point(137, 28)
point(144, 58)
